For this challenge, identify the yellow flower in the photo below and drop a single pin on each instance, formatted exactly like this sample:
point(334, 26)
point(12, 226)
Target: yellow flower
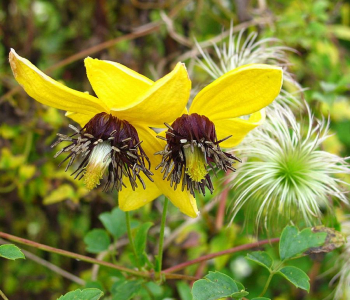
point(114, 124)
point(192, 144)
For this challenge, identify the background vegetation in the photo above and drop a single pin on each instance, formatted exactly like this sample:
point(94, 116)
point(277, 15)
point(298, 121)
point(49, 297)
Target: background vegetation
point(41, 202)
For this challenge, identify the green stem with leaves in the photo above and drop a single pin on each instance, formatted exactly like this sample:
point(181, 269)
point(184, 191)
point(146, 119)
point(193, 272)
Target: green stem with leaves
point(161, 237)
point(131, 240)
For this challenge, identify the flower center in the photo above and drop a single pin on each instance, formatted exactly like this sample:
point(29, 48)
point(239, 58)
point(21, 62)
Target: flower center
point(195, 163)
point(106, 143)
point(192, 150)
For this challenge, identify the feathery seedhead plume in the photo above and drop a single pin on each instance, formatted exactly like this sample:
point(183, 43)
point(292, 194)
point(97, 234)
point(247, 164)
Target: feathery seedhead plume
point(237, 51)
point(288, 177)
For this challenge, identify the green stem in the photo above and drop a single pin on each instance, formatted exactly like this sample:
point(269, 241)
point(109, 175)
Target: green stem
point(267, 284)
point(3, 295)
point(161, 237)
point(131, 240)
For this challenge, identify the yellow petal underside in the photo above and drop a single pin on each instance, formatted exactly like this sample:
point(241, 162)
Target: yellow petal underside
point(81, 119)
point(50, 92)
point(238, 128)
point(183, 200)
point(239, 92)
point(163, 102)
point(118, 86)
point(130, 199)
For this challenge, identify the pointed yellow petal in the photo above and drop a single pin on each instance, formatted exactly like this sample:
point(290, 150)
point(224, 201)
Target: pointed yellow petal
point(130, 200)
point(50, 92)
point(239, 92)
point(163, 102)
point(118, 86)
point(238, 128)
point(183, 200)
point(81, 119)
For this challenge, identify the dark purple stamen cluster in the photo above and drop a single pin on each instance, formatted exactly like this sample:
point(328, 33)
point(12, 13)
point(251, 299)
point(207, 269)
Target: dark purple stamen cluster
point(192, 131)
point(127, 156)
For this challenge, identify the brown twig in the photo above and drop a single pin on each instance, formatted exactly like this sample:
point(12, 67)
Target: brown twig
point(90, 259)
point(222, 202)
point(155, 5)
point(50, 266)
point(220, 253)
point(136, 33)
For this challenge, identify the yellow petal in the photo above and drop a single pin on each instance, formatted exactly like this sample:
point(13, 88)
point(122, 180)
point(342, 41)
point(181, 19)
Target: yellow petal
point(50, 92)
point(118, 86)
point(183, 200)
point(239, 92)
point(130, 200)
point(163, 102)
point(81, 119)
point(238, 128)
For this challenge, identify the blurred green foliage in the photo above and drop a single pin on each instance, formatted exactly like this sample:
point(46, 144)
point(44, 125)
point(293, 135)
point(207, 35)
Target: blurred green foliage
point(41, 202)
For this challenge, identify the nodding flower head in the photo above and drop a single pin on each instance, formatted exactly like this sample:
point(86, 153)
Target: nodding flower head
point(114, 124)
point(194, 142)
point(192, 150)
point(106, 143)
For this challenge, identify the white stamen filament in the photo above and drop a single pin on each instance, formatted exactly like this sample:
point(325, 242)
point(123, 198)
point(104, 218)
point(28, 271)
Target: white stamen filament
point(99, 161)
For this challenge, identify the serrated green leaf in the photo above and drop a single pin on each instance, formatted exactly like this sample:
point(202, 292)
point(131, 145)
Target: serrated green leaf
point(295, 243)
point(262, 258)
point(125, 289)
point(114, 222)
point(10, 251)
point(97, 240)
point(86, 294)
point(214, 286)
point(296, 276)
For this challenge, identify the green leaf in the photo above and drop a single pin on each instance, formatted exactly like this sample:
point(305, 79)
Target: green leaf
point(125, 289)
point(294, 243)
point(241, 288)
point(261, 298)
point(215, 285)
point(184, 290)
point(140, 241)
point(114, 222)
point(61, 193)
point(334, 239)
point(86, 294)
point(296, 276)
point(239, 295)
point(97, 240)
point(262, 258)
point(10, 251)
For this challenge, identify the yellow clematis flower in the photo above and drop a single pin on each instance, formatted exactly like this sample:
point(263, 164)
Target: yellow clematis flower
point(192, 144)
point(115, 124)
